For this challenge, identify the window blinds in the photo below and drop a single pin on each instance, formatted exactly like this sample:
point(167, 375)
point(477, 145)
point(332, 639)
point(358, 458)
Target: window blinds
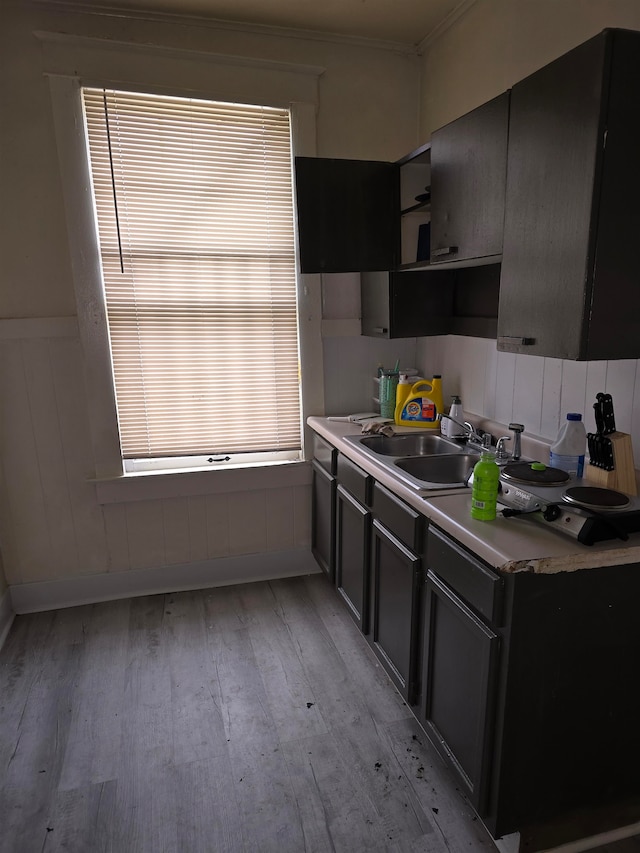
point(195, 221)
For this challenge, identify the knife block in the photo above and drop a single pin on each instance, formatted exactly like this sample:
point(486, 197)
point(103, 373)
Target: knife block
point(623, 476)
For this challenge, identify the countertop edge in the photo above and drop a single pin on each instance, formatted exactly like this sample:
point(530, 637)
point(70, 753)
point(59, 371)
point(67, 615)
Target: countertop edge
point(497, 542)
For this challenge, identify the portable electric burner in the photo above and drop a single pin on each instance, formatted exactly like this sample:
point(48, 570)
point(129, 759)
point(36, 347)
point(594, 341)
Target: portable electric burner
point(570, 505)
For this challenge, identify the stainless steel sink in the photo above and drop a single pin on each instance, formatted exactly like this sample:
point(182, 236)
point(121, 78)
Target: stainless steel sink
point(409, 445)
point(450, 470)
point(423, 461)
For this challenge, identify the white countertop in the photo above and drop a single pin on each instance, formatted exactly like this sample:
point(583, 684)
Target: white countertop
point(508, 544)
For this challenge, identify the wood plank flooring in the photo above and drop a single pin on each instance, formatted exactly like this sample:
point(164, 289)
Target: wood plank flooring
point(240, 719)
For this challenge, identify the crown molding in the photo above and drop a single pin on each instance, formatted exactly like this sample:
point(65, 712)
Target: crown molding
point(75, 7)
point(460, 10)
point(92, 42)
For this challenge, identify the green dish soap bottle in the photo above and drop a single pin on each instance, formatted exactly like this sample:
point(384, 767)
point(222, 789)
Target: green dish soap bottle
point(484, 494)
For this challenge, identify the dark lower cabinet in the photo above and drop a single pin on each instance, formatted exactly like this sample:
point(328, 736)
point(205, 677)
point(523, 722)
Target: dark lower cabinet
point(396, 579)
point(323, 510)
point(460, 670)
point(353, 534)
point(523, 681)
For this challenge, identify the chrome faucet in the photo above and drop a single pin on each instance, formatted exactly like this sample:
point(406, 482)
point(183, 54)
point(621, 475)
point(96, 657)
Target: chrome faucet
point(468, 429)
point(502, 455)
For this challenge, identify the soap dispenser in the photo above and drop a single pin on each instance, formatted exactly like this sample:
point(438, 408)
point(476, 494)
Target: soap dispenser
point(447, 427)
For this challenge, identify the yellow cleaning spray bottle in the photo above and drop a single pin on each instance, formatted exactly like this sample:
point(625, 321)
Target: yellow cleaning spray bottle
point(421, 406)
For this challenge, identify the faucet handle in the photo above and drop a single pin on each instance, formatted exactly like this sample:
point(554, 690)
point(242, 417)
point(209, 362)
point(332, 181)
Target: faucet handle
point(501, 453)
point(517, 427)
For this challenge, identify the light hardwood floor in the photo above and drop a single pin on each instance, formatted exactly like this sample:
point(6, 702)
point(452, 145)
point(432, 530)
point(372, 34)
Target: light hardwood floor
point(241, 719)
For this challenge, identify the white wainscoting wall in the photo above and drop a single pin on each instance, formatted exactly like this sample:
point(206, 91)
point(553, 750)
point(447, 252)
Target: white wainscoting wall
point(52, 525)
point(6, 615)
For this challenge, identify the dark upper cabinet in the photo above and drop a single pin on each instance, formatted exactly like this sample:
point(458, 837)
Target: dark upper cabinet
point(571, 255)
point(365, 216)
point(435, 302)
point(347, 215)
point(406, 304)
point(468, 179)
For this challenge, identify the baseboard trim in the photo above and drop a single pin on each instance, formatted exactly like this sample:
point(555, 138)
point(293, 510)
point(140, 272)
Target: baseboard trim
point(7, 614)
point(89, 589)
point(511, 843)
point(595, 841)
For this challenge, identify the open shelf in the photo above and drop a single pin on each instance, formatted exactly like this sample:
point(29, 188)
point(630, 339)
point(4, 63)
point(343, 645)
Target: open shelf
point(451, 265)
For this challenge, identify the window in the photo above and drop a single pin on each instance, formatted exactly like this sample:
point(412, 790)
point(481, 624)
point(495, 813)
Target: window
point(195, 221)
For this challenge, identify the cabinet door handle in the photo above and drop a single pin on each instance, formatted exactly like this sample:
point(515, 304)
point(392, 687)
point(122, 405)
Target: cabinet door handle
point(509, 342)
point(447, 250)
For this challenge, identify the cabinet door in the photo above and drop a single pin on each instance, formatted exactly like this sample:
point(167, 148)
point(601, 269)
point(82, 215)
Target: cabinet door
point(406, 304)
point(459, 673)
point(468, 178)
point(348, 215)
point(353, 532)
point(396, 609)
point(554, 139)
point(323, 519)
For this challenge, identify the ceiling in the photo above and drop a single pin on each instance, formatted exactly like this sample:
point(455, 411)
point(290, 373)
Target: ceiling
point(404, 21)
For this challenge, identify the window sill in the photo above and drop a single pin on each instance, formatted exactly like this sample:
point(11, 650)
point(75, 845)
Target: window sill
point(156, 485)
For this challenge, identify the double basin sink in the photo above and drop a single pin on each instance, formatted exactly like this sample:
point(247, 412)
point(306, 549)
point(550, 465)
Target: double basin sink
point(421, 461)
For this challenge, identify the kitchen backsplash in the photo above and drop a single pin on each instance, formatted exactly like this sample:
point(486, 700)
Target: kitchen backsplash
point(504, 387)
point(535, 391)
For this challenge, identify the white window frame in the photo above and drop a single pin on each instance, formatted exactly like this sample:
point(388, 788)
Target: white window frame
point(84, 246)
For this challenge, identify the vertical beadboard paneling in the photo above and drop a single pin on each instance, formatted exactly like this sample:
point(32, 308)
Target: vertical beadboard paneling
point(217, 520)
point(145, 529)
point(551, 395)
point(197, 511)
point(22, 473)
point(505, 378)
point(621, 380)
point(452, 372)
point(527, 392)
point(574, 388)
point(58, 517)
point(490, 381)
point(471, 358)
point(247, 522)
point(302, 516)
point(66, 360)
point(434, 357)
point(279, 519)
point(352, 362)
point(11, 557)
point(596, 383)
point(535, 391)
point(175, 520)
point(115, 525)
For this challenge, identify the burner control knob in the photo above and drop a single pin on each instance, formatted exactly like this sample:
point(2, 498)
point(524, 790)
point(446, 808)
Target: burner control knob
point(551, 513)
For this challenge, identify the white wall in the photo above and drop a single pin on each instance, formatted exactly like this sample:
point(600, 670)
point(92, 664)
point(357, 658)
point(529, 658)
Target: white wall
point(3, 580)
point(497, 43)
point(52, 524)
